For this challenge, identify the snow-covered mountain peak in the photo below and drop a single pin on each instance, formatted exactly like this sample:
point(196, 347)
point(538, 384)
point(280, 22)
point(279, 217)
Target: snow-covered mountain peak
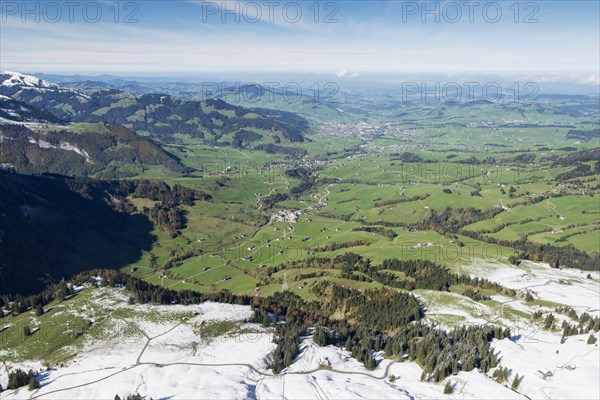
point(9, 78)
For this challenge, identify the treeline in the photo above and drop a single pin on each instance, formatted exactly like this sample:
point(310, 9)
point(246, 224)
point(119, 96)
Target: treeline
point(586, 136)
point(420, 274)
point(272, 199)
point(144, 292)
point(574, 158)
point(166, 213)
point(19, 304)
point(568, 256)
point(170, 220)
point(291, 151)
point(375, 320)
point(141, 292)
point(580, 171)
point(584, 323)
point(391, 202)
point(307, 180)
point(400, 274)
point(453, 219)
point(337, 246)
point(153, 190)
point(388, 233)
point(19, 378)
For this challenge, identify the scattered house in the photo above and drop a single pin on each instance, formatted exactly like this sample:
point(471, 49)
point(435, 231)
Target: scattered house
point(422, 244)
point(570, 367)
point(324, 362)
point(248, 258)
point(133, 269)
point(502, 206)
point(545, 373)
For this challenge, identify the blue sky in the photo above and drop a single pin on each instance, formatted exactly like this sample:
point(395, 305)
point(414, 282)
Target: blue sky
point(187, 37)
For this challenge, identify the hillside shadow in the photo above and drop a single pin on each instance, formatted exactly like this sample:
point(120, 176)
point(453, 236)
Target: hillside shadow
point(51, 232)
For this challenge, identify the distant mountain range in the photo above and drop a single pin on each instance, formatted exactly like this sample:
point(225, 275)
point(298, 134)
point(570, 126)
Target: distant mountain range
point(162, 117)
point(49, 128)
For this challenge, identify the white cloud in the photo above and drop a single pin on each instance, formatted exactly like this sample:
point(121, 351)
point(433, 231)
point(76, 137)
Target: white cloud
point(345, 74)
point(144, 48)
point(593, 79)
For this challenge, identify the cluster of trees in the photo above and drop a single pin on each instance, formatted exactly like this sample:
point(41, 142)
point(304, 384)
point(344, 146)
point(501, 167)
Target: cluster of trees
point(168, 195)
point(19, 378)
point(272, 199)
point(287, 338)
point(166, 213)
point(307, 180)
point(556, 256)
point(579, 171)
point(408, 157)
point(144, 292)
point(391, 202)
point(452, 220)
point(388, 233)
point(244, 137)
point(382, 309)
point(475, 294)
point(501, 374)
point(420, 274)
point(379, 319)
point(584, 323)
point(583, 135)
point(291, 151)
point(153, 190)
point(169, 219)
point(19, 304)
point(135, 396)
point(337, 246)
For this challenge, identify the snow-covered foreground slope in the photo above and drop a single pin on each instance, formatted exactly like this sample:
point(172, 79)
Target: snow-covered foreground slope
point(208, 351)
point(574, 365)
point(570, 287)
